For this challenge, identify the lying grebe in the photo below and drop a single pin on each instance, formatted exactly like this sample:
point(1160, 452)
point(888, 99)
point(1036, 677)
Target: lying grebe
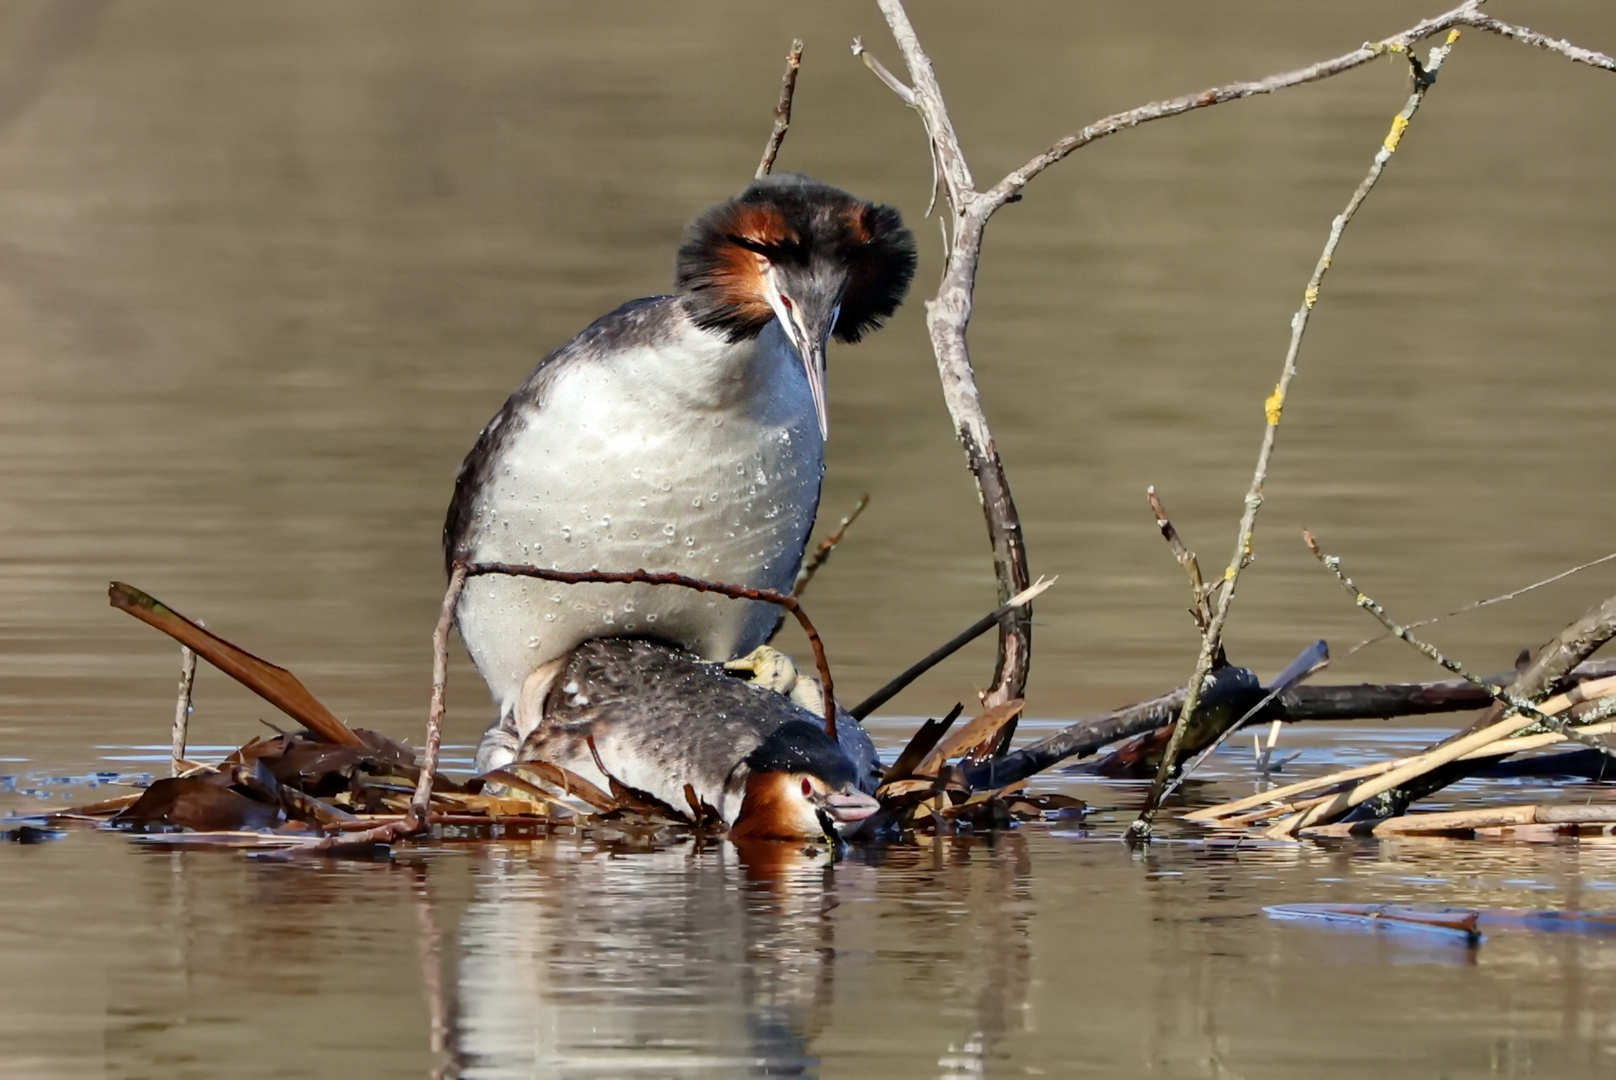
point(678, 433)
point(660, 719)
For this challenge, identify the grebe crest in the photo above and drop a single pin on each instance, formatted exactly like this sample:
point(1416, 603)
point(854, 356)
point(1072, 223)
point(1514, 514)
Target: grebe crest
point(823, 262)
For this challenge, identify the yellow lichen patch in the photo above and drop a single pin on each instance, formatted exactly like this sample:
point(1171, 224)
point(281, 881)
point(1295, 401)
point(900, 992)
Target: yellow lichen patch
point(1395, 135)
point(1275, 405)
point(1453, 35)
point(1311, 296)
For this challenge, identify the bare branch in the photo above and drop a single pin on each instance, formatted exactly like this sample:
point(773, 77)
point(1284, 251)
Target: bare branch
point(948, 648)
point(1554, 663)
point(1473, 606)
point(1273, 408)
point(1467, 14)
point(1505, 695)
point(419, 815)
point(1532, 37)
point(440, 681)
point(928, 100)
point(893, 83)
point(948, 315)
point(782, 110)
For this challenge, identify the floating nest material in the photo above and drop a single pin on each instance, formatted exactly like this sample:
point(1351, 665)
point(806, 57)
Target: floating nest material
point(329, 787)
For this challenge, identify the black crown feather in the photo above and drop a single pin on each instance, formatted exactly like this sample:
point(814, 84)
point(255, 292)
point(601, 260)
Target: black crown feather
point(794, 221)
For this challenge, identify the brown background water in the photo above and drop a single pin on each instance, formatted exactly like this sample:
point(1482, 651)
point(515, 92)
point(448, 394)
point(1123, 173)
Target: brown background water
point(265, 269)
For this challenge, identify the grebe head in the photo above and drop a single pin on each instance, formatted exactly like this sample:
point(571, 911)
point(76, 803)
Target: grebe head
point(820, 260)
point(799, 786)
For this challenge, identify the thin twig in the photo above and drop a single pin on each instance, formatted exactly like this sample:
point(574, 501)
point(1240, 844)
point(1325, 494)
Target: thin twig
point(646, 577)
point(822, 553)
point(1514, 701)
point(893, 83)
point(1201, 612)
point(1561, 576)
point(1273, 408)
point(1532, 37)
point(782, 110)
point(1467, 14)
point(946, 649)
point(418, 816)
point(1549, 670)
point(182, 711)
point(440, 680)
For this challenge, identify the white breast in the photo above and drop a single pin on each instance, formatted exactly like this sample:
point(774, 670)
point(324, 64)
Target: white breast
point(694, 456)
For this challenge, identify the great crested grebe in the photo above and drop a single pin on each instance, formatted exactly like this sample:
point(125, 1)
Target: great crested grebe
point(660, 719)
point(678, 433)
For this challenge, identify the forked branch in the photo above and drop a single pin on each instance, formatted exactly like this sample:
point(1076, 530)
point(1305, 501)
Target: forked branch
point(948, 314)
point(1273, 409)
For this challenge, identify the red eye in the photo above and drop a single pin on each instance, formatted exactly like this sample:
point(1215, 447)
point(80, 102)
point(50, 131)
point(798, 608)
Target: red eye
point(807, 789)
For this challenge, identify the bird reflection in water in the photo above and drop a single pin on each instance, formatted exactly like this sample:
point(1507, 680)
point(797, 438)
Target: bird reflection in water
point(574, 958)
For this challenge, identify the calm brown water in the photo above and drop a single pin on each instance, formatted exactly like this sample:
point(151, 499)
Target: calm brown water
point(266, 269)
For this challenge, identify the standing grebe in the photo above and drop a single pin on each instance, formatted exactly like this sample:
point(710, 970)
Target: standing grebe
point(660, 719)
point(678, 433)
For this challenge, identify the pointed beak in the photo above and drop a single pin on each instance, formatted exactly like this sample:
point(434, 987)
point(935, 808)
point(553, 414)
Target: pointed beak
point(850, 806)
point(813, 362)
point(809, 329)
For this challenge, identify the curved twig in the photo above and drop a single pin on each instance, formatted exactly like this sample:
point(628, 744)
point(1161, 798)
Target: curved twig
point(647, 577)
